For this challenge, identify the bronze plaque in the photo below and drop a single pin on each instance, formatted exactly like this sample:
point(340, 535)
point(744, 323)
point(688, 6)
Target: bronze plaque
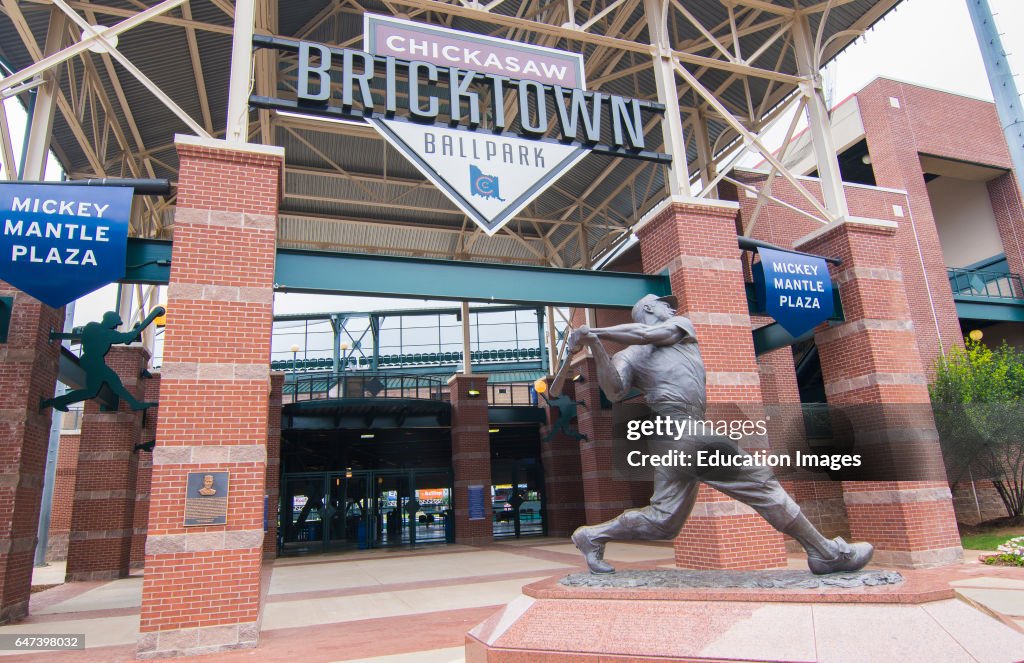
point(206, 498)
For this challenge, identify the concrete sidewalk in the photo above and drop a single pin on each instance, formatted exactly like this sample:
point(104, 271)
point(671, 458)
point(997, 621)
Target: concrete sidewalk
point(411, 605)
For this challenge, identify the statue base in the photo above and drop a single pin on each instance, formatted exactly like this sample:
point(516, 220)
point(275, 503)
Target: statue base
point(775, 615)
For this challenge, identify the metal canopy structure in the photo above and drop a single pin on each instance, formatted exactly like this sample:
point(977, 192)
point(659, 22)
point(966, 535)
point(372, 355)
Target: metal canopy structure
point(726, 70)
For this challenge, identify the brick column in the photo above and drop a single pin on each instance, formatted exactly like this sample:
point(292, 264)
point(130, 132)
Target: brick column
point(201, 592)
point(563, 484)
point(821, 501)
point(604, 497)
point(873, 358)
point(63, 498)
point(696, 245)
point(28, 374)
point(471, 456)
point(1009, 211)
point(103, 515)
point(272, 487)
point(144, 476)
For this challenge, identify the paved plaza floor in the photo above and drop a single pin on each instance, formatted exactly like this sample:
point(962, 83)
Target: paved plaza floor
point(401, 605)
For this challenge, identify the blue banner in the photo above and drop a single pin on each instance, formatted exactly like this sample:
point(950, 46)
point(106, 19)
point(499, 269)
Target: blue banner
point(58, 243)
point(794, 289)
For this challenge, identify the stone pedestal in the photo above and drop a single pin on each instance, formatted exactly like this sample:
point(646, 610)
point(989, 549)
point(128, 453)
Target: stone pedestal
point(551, 623)
point(201, 592)
point(103, 515)
point(28, 375)
point(872, 359)
point(696, 245)
point(471, 458)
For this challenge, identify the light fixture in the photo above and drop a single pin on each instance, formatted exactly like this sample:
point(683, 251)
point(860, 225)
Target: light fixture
point(367, 436)
point(348, 472)
point(295, 348)
point(493, 430)
point(578, 378)
point(976, 335)
point(473, 393)
point(540, 385)
point(866, 159)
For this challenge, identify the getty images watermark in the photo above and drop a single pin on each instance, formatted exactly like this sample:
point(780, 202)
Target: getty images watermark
point(797, 442)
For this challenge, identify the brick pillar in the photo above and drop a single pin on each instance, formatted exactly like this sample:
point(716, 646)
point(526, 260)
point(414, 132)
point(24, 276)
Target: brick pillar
point(563, 484)
point(28, 374)
point(1009, 212)
point(201, 592)
point(63, 498)
point(696, 245)
point(272, 487)
point(471, 456)
point(604, 497)
point(103, 516)
point(144, 477)
point(873, 358)
point(821, 501)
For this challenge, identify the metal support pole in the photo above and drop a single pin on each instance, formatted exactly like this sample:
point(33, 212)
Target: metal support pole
point(467, 345)
point(819, 123)
point(241, 74)
point(50, 473)
point(1000, 77)
point(37, 143)
point(544, 360)
point(705, 159)
point(336, 327)
point(665, 78)
point(552, 342)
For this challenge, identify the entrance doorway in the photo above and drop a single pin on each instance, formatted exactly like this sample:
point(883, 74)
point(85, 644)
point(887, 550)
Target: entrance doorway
point(361, 509)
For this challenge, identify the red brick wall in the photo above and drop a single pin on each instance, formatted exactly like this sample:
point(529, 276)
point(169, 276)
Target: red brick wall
point(1004, 193)
point(471, 457)
point(63, 499)
point(697, 245)
point(28, 375)
point(103, 516)
point(214, 399)
point(563, 481)
point(872, 358)
point(273, 482)
point(144, 476)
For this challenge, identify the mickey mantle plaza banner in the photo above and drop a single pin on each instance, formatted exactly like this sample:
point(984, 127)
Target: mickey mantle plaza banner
point(58, 243)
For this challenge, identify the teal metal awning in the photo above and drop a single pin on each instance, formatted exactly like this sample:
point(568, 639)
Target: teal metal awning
point(331, 272)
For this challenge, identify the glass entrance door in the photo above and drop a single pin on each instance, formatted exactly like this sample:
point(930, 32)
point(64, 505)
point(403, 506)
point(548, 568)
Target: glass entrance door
point(365, 509)
point(304, 513)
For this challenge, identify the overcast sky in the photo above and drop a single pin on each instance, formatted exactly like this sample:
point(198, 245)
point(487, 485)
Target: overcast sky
point(930, 42)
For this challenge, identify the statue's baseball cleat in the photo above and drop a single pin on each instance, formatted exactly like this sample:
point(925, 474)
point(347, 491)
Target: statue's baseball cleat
point(848, 558)
point(592, 552)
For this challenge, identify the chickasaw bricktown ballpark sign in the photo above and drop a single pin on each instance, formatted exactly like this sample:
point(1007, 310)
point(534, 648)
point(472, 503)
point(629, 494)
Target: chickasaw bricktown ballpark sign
point(491, 122)
point(58, 243)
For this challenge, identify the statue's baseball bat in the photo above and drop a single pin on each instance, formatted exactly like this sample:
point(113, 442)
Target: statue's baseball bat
point(563, 372)
point(153, 315)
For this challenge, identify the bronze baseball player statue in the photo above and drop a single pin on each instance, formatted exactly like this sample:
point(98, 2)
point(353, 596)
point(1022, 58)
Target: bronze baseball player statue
point(662, 359)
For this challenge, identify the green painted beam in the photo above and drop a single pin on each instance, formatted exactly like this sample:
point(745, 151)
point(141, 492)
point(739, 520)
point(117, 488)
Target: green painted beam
point(327, 272)
point(969, 307)
point(387, 276)
point(148, 261)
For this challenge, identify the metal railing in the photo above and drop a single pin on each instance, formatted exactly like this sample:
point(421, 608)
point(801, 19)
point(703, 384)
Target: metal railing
point(376, 385)
point(506, 355)
point(992, 285)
